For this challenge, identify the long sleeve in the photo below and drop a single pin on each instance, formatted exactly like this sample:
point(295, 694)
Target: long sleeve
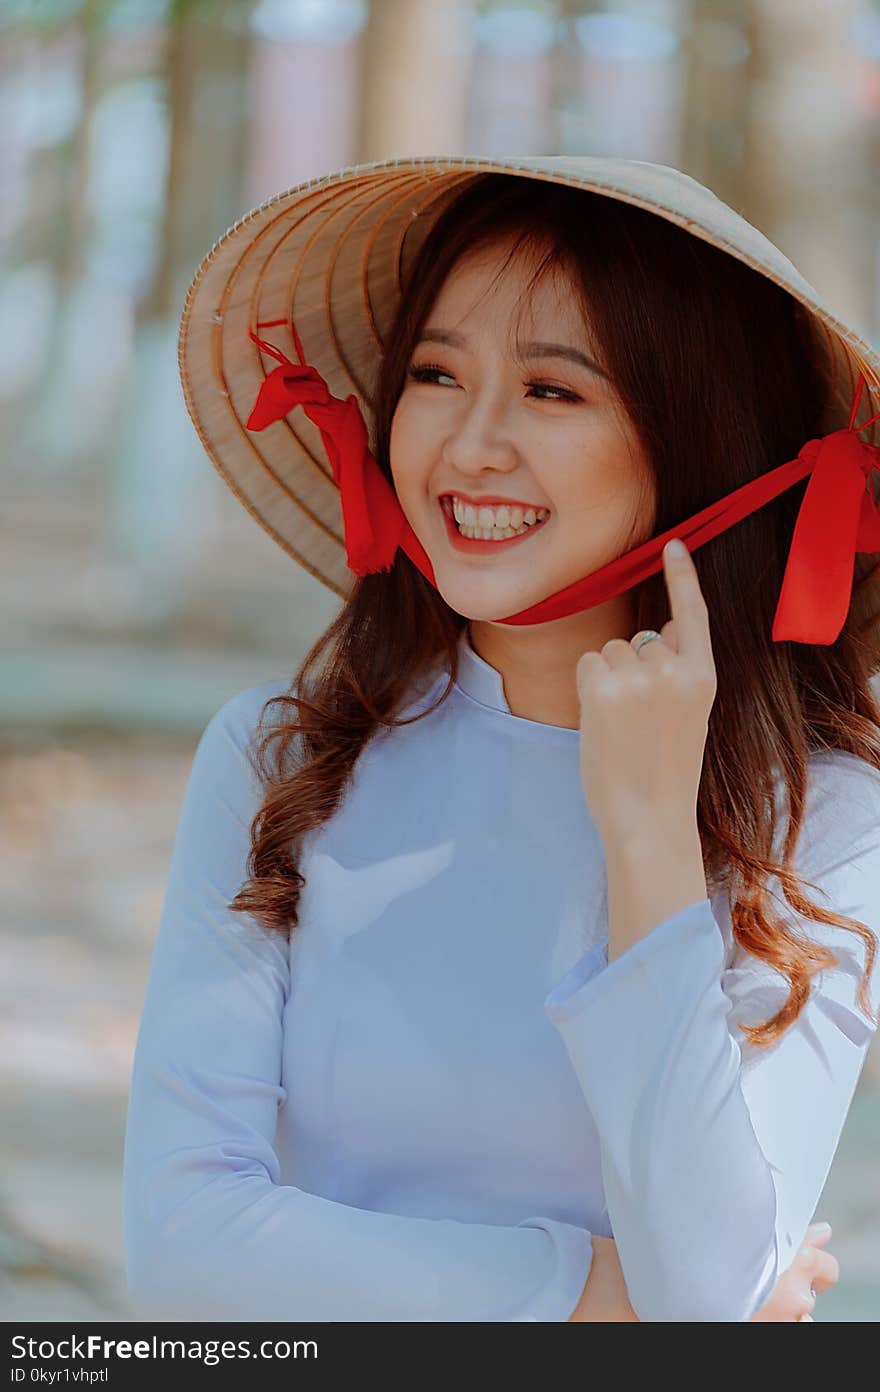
point(715, 1153)
point(210, 1232)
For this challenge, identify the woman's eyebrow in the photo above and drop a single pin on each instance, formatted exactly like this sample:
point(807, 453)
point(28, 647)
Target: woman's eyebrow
point(533, 349)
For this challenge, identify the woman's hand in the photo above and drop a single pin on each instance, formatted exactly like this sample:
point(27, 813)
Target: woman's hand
point(645, 716)
point(790, 1300)
point(605, 1300)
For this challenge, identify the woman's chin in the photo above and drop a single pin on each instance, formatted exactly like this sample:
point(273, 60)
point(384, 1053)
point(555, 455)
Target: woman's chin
point(488, 597)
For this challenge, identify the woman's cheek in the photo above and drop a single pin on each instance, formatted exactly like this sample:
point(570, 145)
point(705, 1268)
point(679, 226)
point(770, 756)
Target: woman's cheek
point(407, 481)
point(411, 457)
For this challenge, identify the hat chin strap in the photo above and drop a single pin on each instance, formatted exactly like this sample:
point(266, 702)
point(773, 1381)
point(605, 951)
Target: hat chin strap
point(837, 518)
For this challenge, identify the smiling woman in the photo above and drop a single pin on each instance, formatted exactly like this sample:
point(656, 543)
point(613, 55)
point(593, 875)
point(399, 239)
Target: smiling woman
point(412, 1037)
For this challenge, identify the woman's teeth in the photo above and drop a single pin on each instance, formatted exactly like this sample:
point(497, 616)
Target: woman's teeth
point(493, 523)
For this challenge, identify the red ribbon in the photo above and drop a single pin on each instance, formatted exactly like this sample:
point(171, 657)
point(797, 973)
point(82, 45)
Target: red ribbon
point(837, 518)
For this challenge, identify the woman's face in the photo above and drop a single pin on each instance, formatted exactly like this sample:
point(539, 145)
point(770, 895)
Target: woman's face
point(546, 433)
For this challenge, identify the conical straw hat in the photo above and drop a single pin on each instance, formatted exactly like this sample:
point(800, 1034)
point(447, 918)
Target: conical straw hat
point(333, 253)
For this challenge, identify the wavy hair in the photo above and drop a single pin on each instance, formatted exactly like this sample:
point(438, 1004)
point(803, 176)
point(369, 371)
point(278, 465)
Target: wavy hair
point(711, 361)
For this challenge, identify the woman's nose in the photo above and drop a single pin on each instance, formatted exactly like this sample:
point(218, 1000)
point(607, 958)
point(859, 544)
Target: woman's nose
point(480, 440)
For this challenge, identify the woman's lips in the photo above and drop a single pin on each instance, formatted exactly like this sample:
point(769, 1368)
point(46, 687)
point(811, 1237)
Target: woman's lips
point(480, 547)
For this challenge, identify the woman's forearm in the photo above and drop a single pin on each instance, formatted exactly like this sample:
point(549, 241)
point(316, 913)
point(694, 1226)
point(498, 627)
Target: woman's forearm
point(644, 887)
point(605, 1299)
point(650, 878)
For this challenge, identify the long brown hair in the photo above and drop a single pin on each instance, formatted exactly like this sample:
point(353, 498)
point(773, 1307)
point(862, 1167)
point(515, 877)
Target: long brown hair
point(719, 370)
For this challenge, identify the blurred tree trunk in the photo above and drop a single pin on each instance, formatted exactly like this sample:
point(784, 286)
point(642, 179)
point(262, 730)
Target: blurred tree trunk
point(810, 174)
point(207, 63)
point(73, 224)
point(716, 99)
point(416, 63)
point(161, 486)
point(566, 113)
point(54, 235)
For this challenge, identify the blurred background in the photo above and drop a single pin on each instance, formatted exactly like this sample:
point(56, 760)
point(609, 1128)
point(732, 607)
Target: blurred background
point(136, 594)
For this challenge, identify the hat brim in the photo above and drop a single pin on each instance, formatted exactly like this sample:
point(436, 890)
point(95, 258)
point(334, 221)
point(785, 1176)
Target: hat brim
point(333, 253)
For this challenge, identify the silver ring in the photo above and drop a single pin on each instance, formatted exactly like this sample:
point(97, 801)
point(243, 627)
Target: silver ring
point(648, 637)
point(812, 1292)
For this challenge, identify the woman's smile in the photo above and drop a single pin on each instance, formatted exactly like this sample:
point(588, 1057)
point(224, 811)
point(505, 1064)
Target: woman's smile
point(482, 545)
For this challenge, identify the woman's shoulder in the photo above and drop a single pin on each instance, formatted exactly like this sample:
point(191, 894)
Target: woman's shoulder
point(242, 712)
point(840, 786)
point(226, 750)
point(837, 771)
point(843, 797)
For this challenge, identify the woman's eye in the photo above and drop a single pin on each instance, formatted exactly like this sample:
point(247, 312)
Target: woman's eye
point(423, 374)
point(429, 371)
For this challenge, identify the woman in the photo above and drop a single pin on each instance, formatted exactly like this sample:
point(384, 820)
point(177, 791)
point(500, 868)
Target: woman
point(473, 997)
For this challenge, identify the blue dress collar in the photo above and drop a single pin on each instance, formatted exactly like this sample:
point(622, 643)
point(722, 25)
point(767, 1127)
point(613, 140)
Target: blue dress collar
point(477, 678)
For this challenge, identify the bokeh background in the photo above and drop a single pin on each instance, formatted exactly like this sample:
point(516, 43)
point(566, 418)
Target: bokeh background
point(136, 594)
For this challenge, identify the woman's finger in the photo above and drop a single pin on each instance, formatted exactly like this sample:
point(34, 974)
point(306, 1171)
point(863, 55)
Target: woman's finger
point(811, 1272)
point(818, 1233)
point(825, 1273)
point(815, 1271)
point(688, 607)
point(820, 1268)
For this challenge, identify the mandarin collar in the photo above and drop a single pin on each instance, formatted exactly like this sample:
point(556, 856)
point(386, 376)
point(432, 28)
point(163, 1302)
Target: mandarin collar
point(477, 678)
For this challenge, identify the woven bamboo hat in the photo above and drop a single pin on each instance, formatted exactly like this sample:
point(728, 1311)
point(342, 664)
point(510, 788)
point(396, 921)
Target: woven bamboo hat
point(333, 253)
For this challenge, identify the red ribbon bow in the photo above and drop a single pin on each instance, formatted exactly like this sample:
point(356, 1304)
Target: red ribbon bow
point(372, 517)
point(837, 518)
